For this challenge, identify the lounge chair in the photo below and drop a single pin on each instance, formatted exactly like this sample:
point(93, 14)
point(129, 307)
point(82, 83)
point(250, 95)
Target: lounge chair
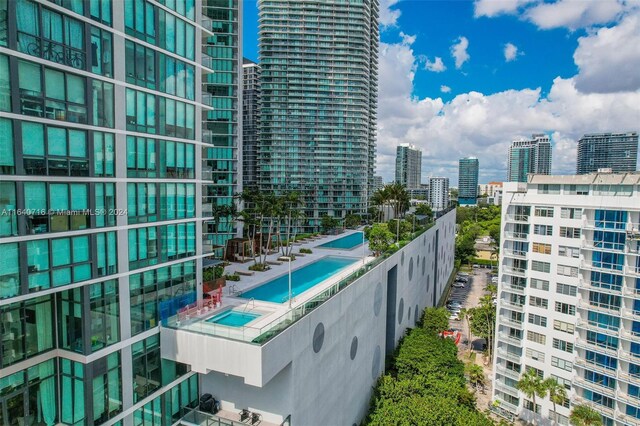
point(245, 415)
point(255, 418)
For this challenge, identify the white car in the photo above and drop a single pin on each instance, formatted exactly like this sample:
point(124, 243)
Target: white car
point(454, 317)
point(458, 285)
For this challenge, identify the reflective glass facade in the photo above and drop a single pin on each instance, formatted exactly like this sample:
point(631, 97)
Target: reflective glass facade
point(101, 195)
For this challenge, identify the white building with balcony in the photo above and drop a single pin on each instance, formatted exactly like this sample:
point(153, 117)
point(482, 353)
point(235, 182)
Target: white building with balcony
point(569, 294)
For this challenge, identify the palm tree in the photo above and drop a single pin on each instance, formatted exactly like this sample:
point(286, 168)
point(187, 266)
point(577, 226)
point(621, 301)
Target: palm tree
point(379, 199)
point(476, 374)
point(557, 395)
point(465, 315)
point(583, 415)
point(532, 385)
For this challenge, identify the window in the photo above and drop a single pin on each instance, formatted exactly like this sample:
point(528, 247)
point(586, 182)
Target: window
point(54, 151)
point(9, 270)
point(570, 213)
point(540, 266)
point(567, 271)
point(3, 23)
point(603, 300)
point(562, 345)
point(602, 340)
point(598, 398)
point(542, 248)
point(149, 245)
point(573, 252)
point(606, 281)
point(552, 189)
point(72, 391)
point(8, 217)
point(603, 320)
point(184, 8)
point(538, 302)
point(5, 84)
point(539, 284)
point(600, 379)
point(564, 382)
point(538, 320)
point(563, 326)
point(140, 20)
point(538, 371)
point(143, 155)
point(604, 361)
point(160, 293)
point(140, 64)
point(576, 189)
point(26, 329)
point(561, 364)
point(61, 39)
point(21, 391)
point(536, 337)
point(567, 232)
point(103, 154)
point(176, 35)
point(141, 111)
point(607, 260)
point(179, 118)
point(143, 247)
point(543, 211)
point(565, 308)
point(56, 207)
point(101, 11)
point(105, 204)
point(609, 240)
point(543, 229)
point(101, 52)
point(51, 94)
point(529, 406)
point(58, 262)
point(102, 104)
point(535, 355)
point(107, 388)
point(569, 290)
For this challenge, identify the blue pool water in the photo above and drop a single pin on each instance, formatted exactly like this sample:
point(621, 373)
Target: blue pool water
point(233, 318)
point(345, 243)
point(277, 290)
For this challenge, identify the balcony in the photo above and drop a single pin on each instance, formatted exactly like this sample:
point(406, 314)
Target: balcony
point(504, 388)
point(577, 399)
point(518, 272)
point(517, 218)
point(581, 343)
point(517, 236)
point(518, 254)
point(513, 288)
point(502, 369)
point(582, 363)
point(510, 339)
point(633, 271)
point(503, 353)
point(631, 314)
point(508, 321)
point(512, 305)
point(596, 387)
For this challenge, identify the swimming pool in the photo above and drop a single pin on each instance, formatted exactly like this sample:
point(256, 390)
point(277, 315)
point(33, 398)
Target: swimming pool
point(233, 318)
point(277, 290)
point(345, 243)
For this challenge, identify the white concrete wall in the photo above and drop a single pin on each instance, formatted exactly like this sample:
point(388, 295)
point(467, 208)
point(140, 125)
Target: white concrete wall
point(328, 388)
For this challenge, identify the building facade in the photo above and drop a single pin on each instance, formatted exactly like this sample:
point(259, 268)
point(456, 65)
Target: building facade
point(529, 156)
point(377, 184)
point(489, 189)
point(250, 123)
point(408, 165)
point(615, 151)
point(319, 87)
point(439, 193)
point(468, 181)
point(106, 172)
point(568, 304)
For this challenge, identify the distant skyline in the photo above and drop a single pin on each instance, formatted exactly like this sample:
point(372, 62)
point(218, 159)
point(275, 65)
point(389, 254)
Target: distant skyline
point(467, 78)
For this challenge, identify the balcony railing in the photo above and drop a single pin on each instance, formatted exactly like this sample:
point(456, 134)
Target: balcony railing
point(519, 254)
point(520, 236)
point(517, 218)
point(520, 272)
point(598, 387)
point(510, 339)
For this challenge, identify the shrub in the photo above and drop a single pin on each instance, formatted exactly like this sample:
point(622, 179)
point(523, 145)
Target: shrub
point(305, 251)
point(259, 267)
point(232, 277)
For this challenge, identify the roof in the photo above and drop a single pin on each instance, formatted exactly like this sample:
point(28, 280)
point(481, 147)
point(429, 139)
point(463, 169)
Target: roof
point(632, 178)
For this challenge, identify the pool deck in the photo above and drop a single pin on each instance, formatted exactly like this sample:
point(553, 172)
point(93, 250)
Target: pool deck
point(269, 311)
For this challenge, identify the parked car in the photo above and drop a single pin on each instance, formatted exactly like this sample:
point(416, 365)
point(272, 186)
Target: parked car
point(458, 285)
point(454, 317)
point(454, 305)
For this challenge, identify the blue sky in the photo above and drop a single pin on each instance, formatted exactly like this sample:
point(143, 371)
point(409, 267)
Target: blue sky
point(520, 67)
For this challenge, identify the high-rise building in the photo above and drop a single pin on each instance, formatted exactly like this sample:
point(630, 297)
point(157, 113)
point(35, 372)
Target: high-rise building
point(250, 123)
point(377, 184)
point(319, 85)
point(568, 298)
point(468, 169)
point(439, 193)
point(104, 163)
point(615, 151)
point(408, 165)
point(529, 156)
point(489, 189)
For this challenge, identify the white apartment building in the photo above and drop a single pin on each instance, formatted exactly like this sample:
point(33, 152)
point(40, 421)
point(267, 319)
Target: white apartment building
point(569, 294)
point(439, 193)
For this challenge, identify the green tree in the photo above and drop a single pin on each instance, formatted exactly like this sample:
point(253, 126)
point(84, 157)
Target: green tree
point(425, 210)
point(532, 386)
point(352, 220)
point(557, 394)
point(328, 223)
point(380, 238)
point(475, 374)
point(583, 415)
point(465, 316)
point(465, 247)
point(483, 321)
point(435, 320)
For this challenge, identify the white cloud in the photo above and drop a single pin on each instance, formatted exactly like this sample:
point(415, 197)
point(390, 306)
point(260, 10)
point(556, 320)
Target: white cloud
point(483, 125)
point(388, 16)
point(510, 52)
point(435, 66)
point(491, 8)
point(459, 51)
point(574, 14)
point(609, 59)
point(445, 89)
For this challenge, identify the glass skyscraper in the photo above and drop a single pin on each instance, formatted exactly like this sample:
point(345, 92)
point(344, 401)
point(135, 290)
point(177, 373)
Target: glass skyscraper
point(615, 151)
point(468, 181)
point(319, 83)
point(529, 156)
point(408, 165)
point(103, 155)
point(250, 123)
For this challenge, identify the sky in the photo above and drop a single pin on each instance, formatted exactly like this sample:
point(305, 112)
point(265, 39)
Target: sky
point(465, 78)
